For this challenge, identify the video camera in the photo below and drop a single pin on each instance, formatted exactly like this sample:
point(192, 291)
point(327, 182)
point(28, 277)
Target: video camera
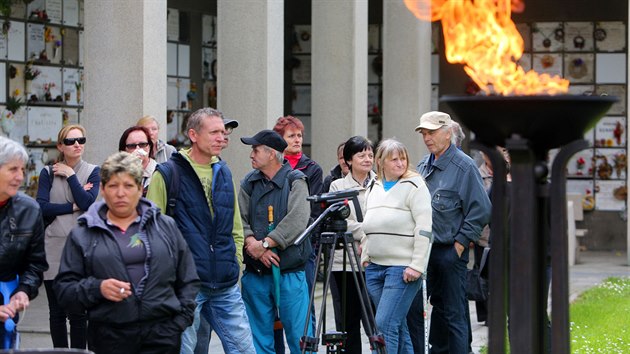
point(340, 200)
point(335, 205)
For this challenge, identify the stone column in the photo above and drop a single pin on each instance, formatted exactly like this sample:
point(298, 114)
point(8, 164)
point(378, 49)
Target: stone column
point(125, 70)
point(406, 76)
point(338, 76)
point(250, 71)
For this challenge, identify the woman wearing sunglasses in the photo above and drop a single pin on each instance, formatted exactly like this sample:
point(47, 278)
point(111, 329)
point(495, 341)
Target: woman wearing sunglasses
point(66, 189)
point(137, 141)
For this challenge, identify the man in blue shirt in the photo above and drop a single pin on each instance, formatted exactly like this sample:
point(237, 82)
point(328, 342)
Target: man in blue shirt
point(461, 209)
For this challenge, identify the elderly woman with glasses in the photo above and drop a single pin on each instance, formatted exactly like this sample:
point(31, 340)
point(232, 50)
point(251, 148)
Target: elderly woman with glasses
point(22, 255)
point(129, 267)
point(137, 141)
point(66, 189)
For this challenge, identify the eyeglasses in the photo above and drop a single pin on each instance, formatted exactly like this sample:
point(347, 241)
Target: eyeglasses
point(71, 141)
point(136, 145)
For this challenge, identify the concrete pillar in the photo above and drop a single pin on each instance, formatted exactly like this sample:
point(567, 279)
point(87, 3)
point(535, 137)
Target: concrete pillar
point(338, 76)
point(406, 76)
point(250, 79)
point(125, 70)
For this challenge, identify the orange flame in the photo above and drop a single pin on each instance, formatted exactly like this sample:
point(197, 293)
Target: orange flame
point(481, 35)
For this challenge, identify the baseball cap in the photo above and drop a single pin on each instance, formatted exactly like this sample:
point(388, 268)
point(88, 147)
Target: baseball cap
point(268, 138)
point(230, 123)
point(433, 120)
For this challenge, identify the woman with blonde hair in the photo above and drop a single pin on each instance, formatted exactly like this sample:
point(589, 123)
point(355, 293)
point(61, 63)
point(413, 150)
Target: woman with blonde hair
point(66, 189)
point(161, 150)
point(397, 241)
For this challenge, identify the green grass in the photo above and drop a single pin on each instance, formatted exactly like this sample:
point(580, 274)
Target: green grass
point(600, 319)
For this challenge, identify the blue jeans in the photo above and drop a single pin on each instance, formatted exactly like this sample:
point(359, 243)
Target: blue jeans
point(225, 312)
point(258, 294)
point(392, 298)
point(446, 286)
point(203, 337)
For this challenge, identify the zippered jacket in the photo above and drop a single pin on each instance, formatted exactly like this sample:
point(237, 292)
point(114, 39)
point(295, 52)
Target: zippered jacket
point(92, 254)
point(22, 244)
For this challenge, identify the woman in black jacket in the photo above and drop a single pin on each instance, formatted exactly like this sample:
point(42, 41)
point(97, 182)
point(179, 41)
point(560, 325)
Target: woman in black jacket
point(21, 236)
point(129, 267)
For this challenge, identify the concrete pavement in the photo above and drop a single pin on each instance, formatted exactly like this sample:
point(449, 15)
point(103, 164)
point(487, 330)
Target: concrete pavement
point(593, 269)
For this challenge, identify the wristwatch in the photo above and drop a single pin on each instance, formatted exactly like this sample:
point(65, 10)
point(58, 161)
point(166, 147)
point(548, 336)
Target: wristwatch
point(265, 244)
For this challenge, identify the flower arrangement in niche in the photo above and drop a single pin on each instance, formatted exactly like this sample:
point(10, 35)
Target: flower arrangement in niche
point(5, 11)
point(56, 47)
point(580, 163)
point(13, 104)
point(78, 85)
point(47, 87)
point(30, 73)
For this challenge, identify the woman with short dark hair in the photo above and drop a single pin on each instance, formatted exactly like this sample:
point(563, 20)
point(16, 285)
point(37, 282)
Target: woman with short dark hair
point(129, 267)
point(359, 157)
point(137, 141)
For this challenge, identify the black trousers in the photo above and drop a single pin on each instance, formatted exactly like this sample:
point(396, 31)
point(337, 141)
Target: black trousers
point(150, 337)
point(58, 317)
point(352, 310)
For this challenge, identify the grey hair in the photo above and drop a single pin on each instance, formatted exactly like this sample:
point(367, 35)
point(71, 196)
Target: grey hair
point(196, 119)
point(11, 150)
point(457, 134)
point(121, 162)
point(279, 156)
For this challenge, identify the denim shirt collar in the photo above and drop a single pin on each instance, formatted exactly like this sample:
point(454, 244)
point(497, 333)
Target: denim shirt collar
point(444, 160)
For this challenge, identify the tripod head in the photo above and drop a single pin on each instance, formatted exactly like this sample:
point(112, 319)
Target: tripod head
point(335, 205)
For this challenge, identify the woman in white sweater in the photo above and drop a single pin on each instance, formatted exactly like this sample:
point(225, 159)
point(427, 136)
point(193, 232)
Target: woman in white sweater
point(359, 156)
point(396, 245)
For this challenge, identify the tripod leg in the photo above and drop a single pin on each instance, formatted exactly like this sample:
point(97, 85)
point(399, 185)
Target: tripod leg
point(377, 340)
point(310, 343)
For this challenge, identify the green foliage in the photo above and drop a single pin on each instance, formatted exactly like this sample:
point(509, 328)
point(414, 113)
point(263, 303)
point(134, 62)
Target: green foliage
point(14, 104)
point(5, 7)
point(600, 319)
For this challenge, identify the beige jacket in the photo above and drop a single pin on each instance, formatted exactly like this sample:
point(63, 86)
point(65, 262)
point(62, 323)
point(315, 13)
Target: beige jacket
point(353, 225)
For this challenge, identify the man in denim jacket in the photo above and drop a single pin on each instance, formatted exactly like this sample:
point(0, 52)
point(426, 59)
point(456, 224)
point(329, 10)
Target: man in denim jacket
point(461, 209)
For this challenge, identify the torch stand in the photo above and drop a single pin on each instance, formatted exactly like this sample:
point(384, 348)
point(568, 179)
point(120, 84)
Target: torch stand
point(529, 127)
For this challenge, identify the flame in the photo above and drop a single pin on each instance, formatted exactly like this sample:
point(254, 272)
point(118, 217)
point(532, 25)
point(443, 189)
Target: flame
point(481, 35)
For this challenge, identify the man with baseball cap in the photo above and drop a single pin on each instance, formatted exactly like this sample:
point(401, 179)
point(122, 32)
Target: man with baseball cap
point(274, 183)
point(230, 125)
point(461, 209)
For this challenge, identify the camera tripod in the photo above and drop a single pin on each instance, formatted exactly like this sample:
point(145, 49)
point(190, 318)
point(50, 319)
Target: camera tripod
point(337, 237)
